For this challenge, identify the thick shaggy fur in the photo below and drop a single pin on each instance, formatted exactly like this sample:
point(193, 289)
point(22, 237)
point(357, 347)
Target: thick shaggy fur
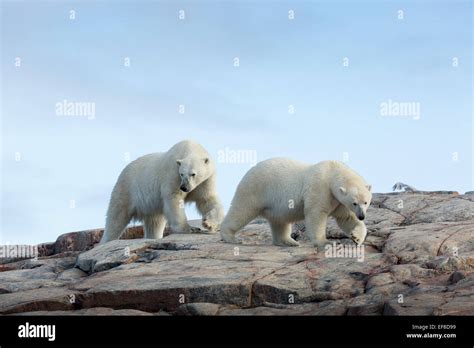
point(283, 191)
point(150, 189)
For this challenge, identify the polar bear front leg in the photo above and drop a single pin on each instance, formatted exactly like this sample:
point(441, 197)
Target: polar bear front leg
point(211, 211)
point(353, 228)
point(359, 233)
point(315, 227)
point(208, 204)
point(154, 226)
point(174, 213)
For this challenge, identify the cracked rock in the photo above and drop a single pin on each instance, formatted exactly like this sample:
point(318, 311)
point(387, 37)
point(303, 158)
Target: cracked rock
point(418, 260)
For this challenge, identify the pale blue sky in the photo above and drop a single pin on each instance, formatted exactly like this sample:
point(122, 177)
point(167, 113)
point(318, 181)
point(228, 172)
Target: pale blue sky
point(282, 62)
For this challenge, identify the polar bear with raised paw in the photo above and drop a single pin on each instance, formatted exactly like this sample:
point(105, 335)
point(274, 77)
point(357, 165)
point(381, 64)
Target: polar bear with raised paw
point(154, 189)
point(284, 191)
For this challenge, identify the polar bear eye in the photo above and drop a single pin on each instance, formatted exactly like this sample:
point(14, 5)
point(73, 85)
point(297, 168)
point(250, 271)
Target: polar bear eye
point(354, 204)
point(193, 175)
point(365, 203)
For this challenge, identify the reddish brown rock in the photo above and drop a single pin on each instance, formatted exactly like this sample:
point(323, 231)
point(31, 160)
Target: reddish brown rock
point(418, 260)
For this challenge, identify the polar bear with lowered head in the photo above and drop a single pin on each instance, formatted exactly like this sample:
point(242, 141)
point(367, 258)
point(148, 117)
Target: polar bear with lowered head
point(284, 191)
point(154, 188)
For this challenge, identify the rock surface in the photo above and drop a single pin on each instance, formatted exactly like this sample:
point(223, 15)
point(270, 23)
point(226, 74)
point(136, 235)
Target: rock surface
point(418, 259)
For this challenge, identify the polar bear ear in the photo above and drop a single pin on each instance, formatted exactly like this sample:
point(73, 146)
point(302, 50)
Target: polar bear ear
point(206, 160)
point(369, 187)
point(179, 162)
point(342, 189)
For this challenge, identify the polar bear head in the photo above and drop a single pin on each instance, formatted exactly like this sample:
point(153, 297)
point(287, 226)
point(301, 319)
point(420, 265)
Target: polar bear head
point(356, 198)
point(193, 171)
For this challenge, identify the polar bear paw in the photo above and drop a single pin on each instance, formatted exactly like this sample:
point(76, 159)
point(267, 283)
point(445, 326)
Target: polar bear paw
point(320, 243)
point(194, 230)
point(210, 225)
point(229, 238)
point(358, 234)
point(287, 242)
point(187, 229)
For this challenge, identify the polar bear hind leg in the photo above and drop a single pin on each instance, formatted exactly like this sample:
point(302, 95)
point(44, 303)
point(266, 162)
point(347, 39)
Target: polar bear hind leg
point(237, 217)
point(117, 220)
point(281, 232)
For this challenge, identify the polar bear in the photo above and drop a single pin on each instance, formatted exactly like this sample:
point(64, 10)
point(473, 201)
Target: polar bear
point(154, 188)
point(283, 191)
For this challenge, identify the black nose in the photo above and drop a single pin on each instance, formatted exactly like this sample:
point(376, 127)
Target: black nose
point(184, 188)
point(361, 217)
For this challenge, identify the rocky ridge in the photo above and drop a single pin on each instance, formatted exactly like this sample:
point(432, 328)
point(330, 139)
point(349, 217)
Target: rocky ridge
point(418, 260)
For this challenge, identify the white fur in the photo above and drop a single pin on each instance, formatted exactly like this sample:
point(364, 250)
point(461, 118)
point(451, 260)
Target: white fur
point(283, 191)
point(148, 189)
